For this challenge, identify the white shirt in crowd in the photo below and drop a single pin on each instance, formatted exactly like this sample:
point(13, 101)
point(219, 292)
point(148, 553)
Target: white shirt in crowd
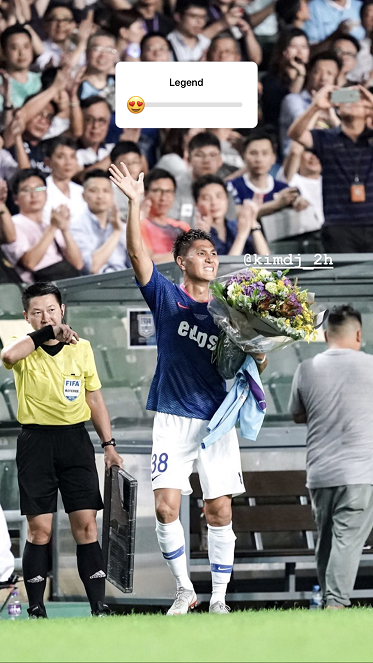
point(311, 218)
point(55, 197)
point(268, 27)
point(183, 52)
point(364, 63)
point(87, 156)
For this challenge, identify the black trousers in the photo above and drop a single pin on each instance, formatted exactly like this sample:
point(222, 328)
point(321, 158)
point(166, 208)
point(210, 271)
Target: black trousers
point(348, 239)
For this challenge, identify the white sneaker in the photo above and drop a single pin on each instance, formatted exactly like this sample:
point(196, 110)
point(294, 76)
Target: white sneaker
point(220, 608)
point(185, 600)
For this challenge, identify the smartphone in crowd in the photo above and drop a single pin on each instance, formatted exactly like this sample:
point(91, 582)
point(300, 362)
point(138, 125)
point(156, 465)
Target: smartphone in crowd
point(346, 95)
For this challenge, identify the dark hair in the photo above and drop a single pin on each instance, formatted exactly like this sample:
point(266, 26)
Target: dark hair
point(321, 57)
point(198, 185)
point(25, 174)
point(284, 39)
point(39, 290)
point(185, 240)
point(363, 8)
point(48, 76)
point(51, 102)
point(287, 11)
point(91, 101)
point(157, 174)
point(204, 139)
point(99, 33)
point(174, 142)
point(58, 5)
point(96, 172)
point(214, 41)
point(124, 18)
point(182, 6)
point(66, 141)
point(261, 135)
point(149, 36)
point(16, 29)
point(341, 314)
point(124, 147)
point(349, 38)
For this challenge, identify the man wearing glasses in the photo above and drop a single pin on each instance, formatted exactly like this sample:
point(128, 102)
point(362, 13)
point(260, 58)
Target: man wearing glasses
point(157, 229)
point(38, 246)
point(60, 25)
point(92, 145)
point(187, 40)
point(204, 159)
point(99, 76)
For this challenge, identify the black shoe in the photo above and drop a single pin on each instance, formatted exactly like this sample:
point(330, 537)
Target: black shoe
point(37, 611)
point(101, 610)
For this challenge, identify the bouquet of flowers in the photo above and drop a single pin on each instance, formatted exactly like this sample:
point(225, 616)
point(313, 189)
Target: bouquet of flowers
point(259, 311)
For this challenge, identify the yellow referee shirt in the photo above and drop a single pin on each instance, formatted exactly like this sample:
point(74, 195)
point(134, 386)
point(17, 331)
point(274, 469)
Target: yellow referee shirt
point(51, 389)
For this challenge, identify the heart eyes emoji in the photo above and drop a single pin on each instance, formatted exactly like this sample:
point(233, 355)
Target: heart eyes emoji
point(135, 104)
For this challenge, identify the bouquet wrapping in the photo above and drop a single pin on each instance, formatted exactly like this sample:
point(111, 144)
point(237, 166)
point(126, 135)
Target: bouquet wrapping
point(259, 311)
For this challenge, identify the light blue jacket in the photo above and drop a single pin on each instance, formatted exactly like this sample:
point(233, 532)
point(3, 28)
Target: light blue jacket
point(245, 402)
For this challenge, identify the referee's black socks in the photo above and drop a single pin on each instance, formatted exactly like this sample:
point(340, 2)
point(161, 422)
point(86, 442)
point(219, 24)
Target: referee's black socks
point(91, 570)
point(35, 570)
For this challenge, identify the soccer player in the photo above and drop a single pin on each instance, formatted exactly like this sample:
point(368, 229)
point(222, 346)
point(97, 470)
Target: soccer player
point(185, 393)
point(58, 389)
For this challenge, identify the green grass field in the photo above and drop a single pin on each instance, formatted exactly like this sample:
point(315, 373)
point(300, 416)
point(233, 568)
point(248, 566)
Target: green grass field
point(291, 635)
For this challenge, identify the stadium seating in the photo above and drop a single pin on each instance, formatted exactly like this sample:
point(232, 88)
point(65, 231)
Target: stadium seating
point(274, 525)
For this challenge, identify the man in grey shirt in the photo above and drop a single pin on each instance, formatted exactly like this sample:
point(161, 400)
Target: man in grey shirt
point(333, 394)
point(204, 159)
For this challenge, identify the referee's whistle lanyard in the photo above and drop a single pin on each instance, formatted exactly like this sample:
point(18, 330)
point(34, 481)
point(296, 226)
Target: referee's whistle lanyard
point(353, 158)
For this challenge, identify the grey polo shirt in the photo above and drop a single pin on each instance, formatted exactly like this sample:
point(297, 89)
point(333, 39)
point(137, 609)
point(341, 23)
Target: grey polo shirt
point(335, 389)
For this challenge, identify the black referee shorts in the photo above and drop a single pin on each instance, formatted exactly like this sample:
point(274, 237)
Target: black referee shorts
point(56, 457)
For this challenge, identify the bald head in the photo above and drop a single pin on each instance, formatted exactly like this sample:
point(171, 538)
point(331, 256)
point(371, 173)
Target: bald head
point(344, 328)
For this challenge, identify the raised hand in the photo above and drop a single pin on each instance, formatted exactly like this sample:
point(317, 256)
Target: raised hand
point(321, 99)
point(86, 28)
point(247, 217)
point(133, 189)
point(114, 218)
point(60, 218)
point(17, 125)
point(204, 219)
point(65, 334)
point(3, 191)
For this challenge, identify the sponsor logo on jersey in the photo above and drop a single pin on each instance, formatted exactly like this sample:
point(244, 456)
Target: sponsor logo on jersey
point(71, 389)
point(197, 335)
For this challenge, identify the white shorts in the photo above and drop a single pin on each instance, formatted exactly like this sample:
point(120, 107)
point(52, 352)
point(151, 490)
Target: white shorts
point(177, 448)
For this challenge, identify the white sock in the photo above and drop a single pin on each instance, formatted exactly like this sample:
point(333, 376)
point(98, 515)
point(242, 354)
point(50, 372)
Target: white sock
point(221, 542)
point(171, 541)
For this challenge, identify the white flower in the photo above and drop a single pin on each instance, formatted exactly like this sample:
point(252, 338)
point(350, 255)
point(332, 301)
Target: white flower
point(263, 274)
point(271, 288)
point(231, 289)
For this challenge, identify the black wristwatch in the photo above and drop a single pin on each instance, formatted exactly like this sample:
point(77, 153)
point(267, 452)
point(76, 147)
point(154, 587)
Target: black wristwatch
point(111, 443)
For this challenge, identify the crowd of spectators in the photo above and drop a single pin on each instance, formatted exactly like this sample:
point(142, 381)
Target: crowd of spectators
point(304, 176)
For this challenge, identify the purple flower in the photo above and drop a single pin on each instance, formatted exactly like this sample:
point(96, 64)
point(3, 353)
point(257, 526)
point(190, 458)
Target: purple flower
point(287, 281)
point(279, 274)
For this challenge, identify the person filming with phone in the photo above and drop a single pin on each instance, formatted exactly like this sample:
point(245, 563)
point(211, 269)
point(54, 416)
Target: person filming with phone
point(346, 156)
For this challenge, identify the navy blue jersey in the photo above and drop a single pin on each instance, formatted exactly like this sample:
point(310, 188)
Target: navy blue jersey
point(185, 383)
point(242, 189)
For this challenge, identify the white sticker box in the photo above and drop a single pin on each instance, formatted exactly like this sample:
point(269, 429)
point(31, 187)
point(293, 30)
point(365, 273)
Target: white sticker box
point(186, 95)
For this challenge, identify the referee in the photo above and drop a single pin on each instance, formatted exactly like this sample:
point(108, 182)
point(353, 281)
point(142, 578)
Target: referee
point(58, 389)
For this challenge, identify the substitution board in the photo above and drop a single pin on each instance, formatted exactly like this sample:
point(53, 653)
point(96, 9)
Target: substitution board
point(119, 528)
